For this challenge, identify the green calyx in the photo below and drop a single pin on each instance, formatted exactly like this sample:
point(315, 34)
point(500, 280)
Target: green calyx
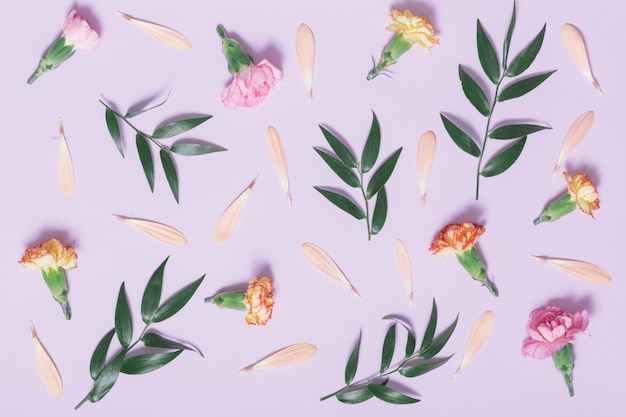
point(56, 55)
point(55, 279)
point(471, 261)
point(564, 363)
point(233, 300)
point(557, 209)
point(234, 52)
point(390, 55)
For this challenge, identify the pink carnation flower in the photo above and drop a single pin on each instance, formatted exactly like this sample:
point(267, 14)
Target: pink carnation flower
point(251, 85)
point(77, 32)
point(550, 329)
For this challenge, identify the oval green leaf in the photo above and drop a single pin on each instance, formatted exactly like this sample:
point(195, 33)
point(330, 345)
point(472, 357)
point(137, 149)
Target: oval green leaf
point(353, 362)
point(107, 378)
point(389, 346)
point(380, 212)
point(382, 174)
point(462, 139)
point(503, 161)
point(519, 88)
point(114, 129)
point(438, 343)
point(410, 340)
point(342, 151)
point(372, 146)
point(356, 396)
point(429, 333)
point(515, 131)
point(346, 174)
point(170, 172)
point(157, 341)
point(152, 294)
point(342, 202)
point(145, 156)
point(527, 56)
point(390, 395)
point(123, 320)
point(474, 93)
point(142, 364)
point(175, 303)
point(507, 40)
point(191, 149)
point(180, 126)
point(99, 357)
point(411, 371)
point(486, 54)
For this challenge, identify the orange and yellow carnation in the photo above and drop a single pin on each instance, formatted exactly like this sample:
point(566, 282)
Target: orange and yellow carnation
point(50, 255)
point(414, 29)
point(456, 238)
point(258, 301)
point(582, 190)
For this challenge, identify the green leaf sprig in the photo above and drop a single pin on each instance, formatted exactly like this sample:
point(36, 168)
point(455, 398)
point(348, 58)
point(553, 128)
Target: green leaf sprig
point(166, 131)
point(152, 311)
point(414, 363)
point(345, 165)
point(497, 73)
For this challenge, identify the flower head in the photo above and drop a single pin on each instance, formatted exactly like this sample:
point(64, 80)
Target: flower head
point(77, 32)
point(582, 190)
point(258, 301)
point(251, 85)
point(414, 29)
point(50, 255)
point(550, 329)
point(456, 238)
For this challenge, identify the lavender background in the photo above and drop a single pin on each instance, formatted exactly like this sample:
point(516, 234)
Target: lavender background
point(129, 67)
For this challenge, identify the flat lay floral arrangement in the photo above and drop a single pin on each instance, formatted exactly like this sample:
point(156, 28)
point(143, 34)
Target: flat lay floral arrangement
point(298, 149)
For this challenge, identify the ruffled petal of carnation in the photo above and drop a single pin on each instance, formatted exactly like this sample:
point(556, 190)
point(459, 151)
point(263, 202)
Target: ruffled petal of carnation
point(50, 254)
point(414, 29)
point(583, 192)
point(258, 301)
point(456, 238)
point(550, 328)
point(251, 85)
point(77, 32)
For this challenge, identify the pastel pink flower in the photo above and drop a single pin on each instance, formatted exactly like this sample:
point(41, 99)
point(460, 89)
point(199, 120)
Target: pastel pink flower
point(550, 329)
point(77, 32)
point(251, 85)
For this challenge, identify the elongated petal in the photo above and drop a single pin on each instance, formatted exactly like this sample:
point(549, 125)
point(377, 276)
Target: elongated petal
point(157, 230)
point(305, 50)
point(287, 356)
point(230, 217)
point(583, 270)
point(575, 47)
point(322, 261)
point(168, 37)
point(66, 168)
point(404, 263)
point(277, 153)
point(576, 133)
point(48, 370)
point(425, 156)
point(479, 334)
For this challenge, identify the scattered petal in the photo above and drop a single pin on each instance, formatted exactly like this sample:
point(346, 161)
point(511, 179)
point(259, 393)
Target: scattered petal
point(277, 153)
point(575, 47)
point(168, 37)
point(404, 263)
point(576, 133)
point(583, 270)
point(290, 355)
point(66, 169)
point(425, 156)
point(322, 261)
point(479, 334)
point(305, 49)
point(230, 217)
point(48, 370)
point(157, 230)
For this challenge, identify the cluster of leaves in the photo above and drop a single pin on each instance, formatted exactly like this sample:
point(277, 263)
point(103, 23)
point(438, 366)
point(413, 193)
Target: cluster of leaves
point(152, 311)
point(345, 165)
point(166, 131)
point(413, 364)
point(497, 73)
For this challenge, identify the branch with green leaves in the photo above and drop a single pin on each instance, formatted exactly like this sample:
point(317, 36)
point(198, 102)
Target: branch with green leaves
point(414, 363)
point(345, 165)
point(165, 131)
point(497, 73)
point(152, 311)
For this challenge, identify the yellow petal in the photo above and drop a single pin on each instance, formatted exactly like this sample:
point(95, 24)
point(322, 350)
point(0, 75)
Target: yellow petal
point(305, 50)
point(277, 153)
point(575, 47)
point(576, 133)
point(478, 336)
point(404, 263)
point(66, 169)
point(583, 270)
point(48, 370)
point(230, 217)
point(425, 156)
point(157, 230)
point(287, 356)
point(168, 37)
point(322, 261)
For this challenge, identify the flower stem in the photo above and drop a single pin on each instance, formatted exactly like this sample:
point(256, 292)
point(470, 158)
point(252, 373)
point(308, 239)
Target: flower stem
point(367, 207)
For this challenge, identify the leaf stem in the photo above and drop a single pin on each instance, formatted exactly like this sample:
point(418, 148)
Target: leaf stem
point(367, 207)
point(82, 402)
point(134, 128)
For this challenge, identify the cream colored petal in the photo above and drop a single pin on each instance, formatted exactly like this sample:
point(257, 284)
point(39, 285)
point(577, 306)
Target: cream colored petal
point(168, 37)
point(290, 355)
point(479, 334)
point(575, 47)
point(305, 50)
point(229, 219)
point(322, 261)
point(583, 270)
point(576, 133)
point(404, 263)
point(157, 230)
point(47, 369)
point(65, 168)
point(277, 153)
point(425, 156)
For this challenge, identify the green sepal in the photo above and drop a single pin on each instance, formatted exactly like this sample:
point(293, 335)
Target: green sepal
point(372, 146)
point(233, 300)
point(346, 174)
point(177, 127)
point(342, 202)
point(487, 54)
point(390, 395)
point(519, 88)
point(152, 294)
point(175, 303)
point(341, 150)
point(142, 364)
point(504, 160)
point(462, 139)
point(170, 171)
point(394, 50)
point(234, 53)
point(99, 356)
point(145, 157)
point(564, 363)
point(521, 62)
point(557, 209)
point(353, 362)
point(515, 131)
point(123, 320)
point(55, 280)
point(474, 92)
point(194, 148)
point(381, 175)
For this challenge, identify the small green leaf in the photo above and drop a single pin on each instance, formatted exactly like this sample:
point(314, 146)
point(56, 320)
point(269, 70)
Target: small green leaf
point(152, 294)
point(527, 56)
point(99, 356)
point(142, 364)
point(487, 54)
point(390, 395)
point(175, 303)
point(515, 131)
point(134, 113)
point(346, 174)
point(382, 174)
point(114, 129)
point(410, 340)
point(145, 156)
point(507, 40)
point(503, 161)
point(380, 212)
point(438, 343)
point(519, 88)
point(192, 148)
point(372, 146)
point(356, 396)
point(157, 341)
point(123, 320)
point(411, 371)
point(170, 171)
point(389, 346)
point(353, 362)
point(342, 151)
point(462, 139)
point(474, 93)
point(107, 378)
point(180, 126)
point(342, 202)
point(430, 328)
